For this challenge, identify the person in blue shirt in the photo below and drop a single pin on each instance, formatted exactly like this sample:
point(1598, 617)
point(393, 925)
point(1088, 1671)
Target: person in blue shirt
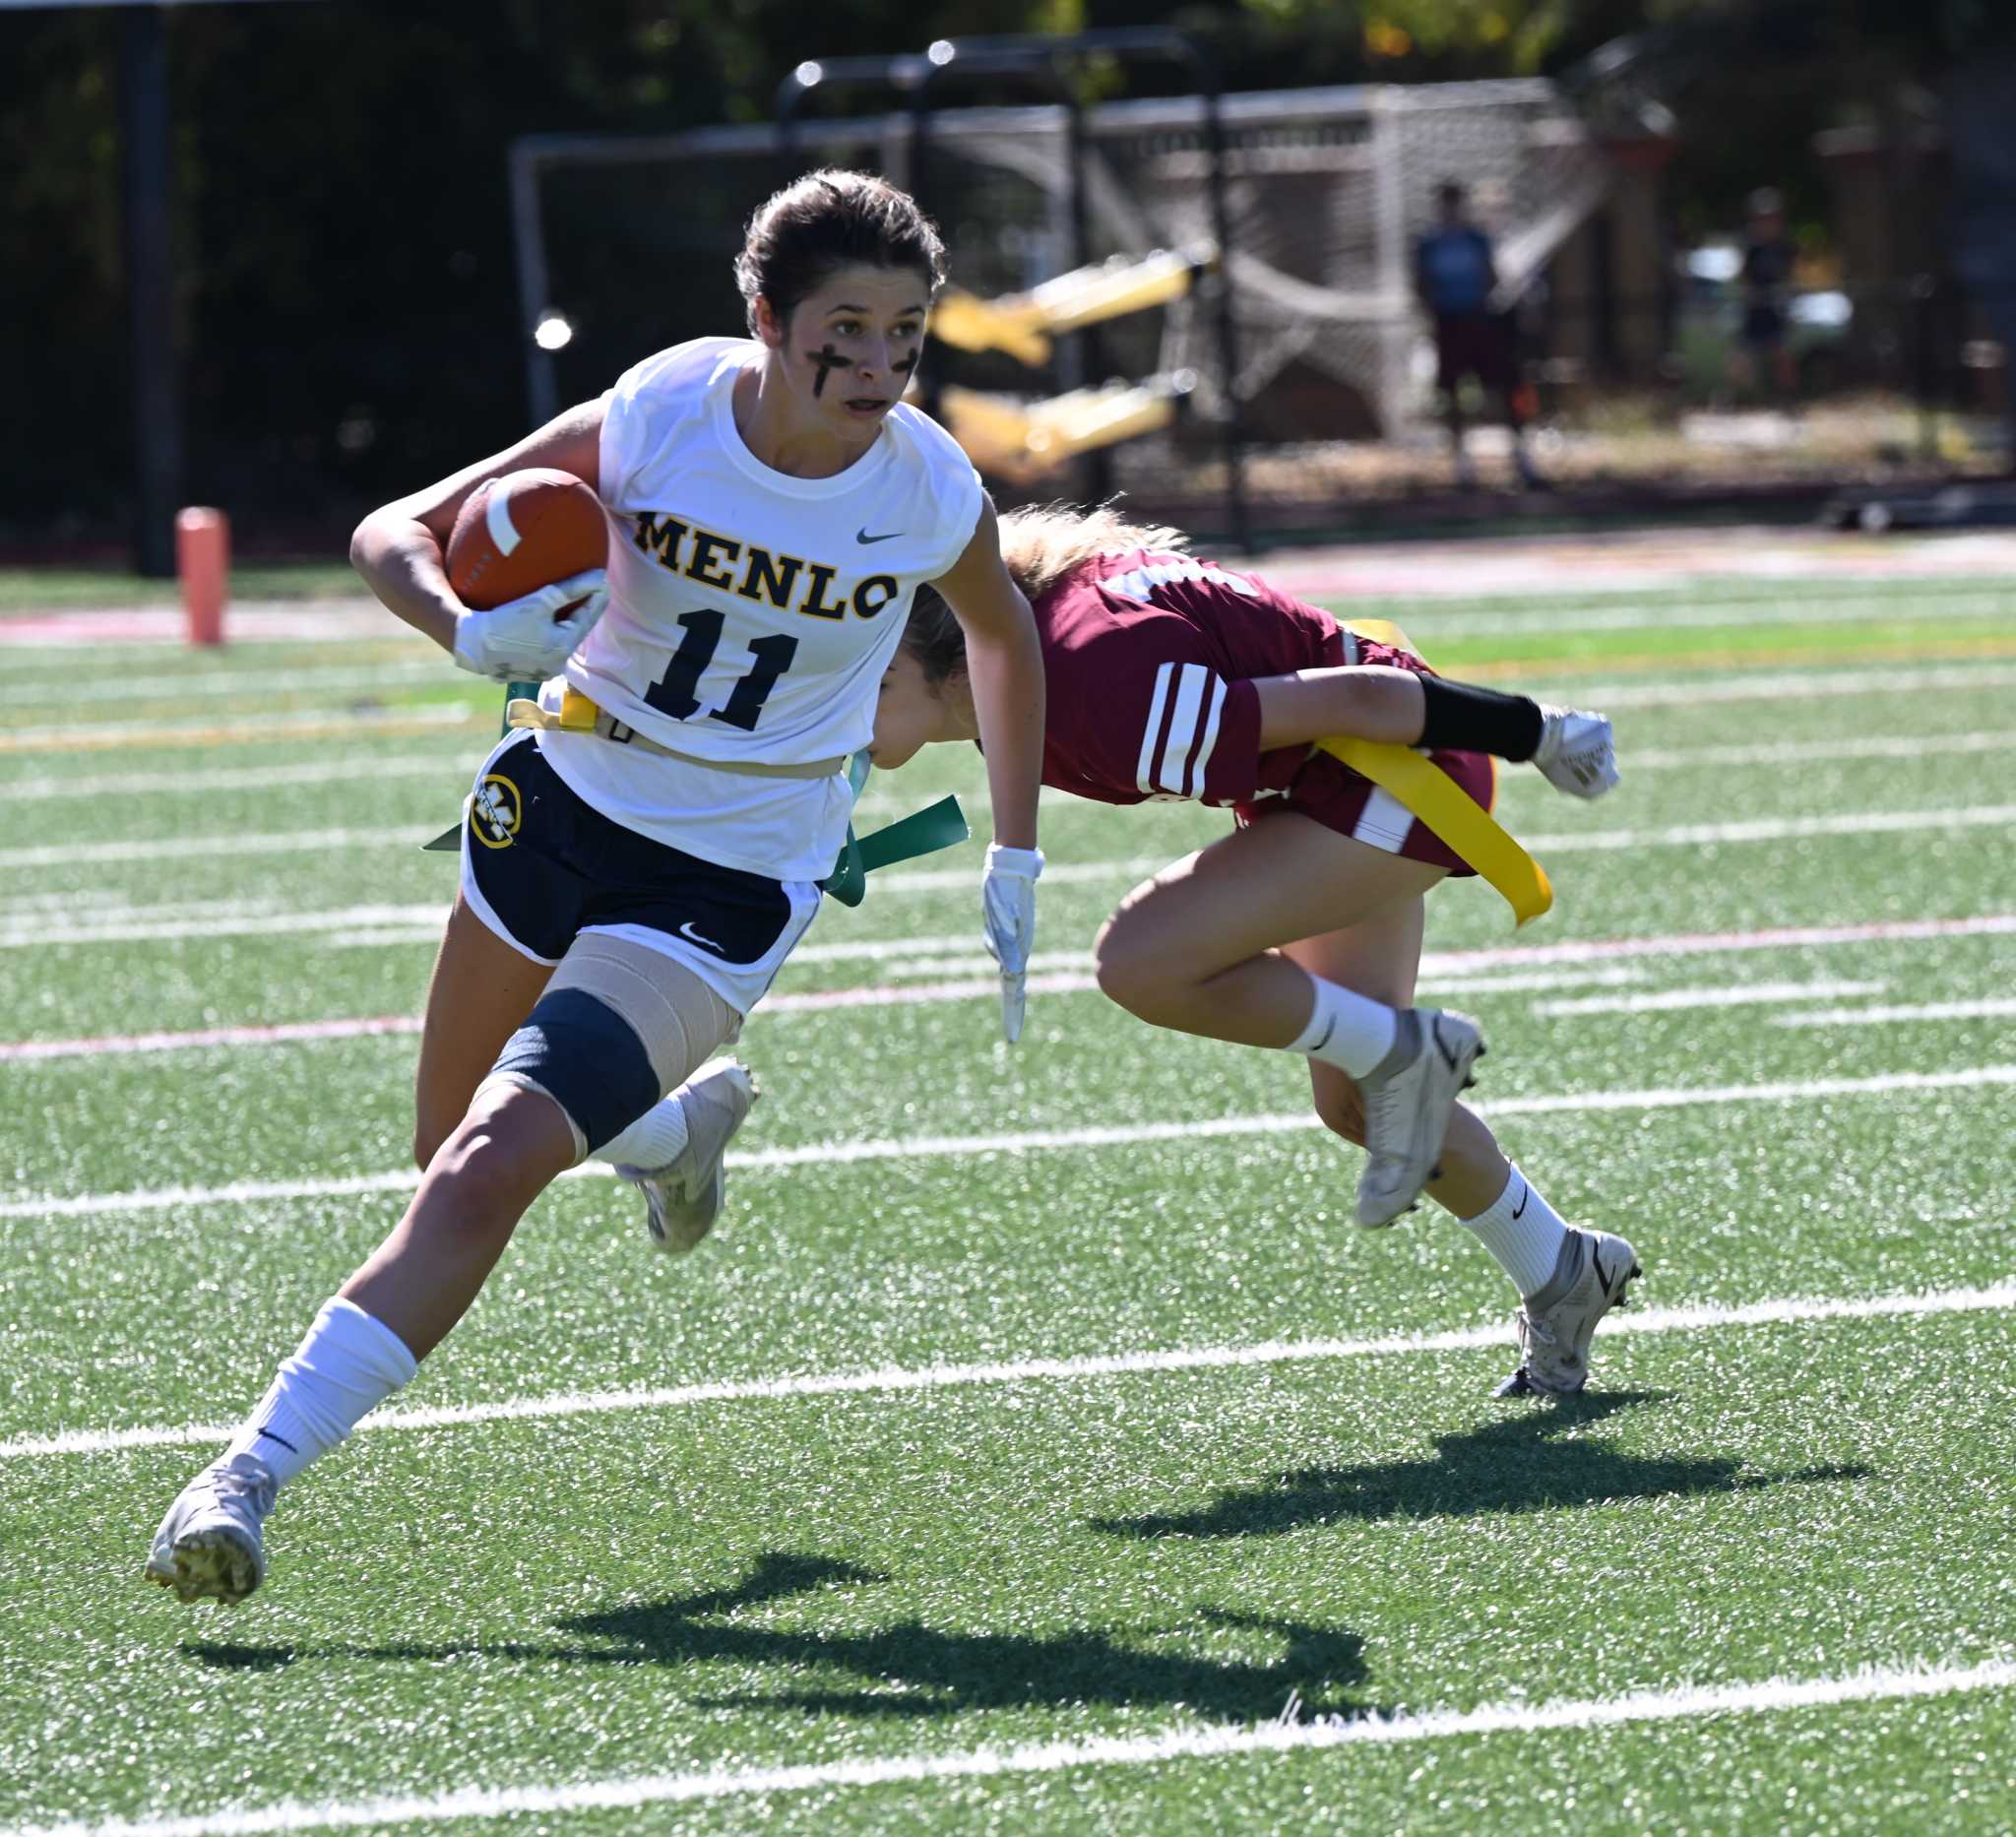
point(1764, 361)
point(1455, 278)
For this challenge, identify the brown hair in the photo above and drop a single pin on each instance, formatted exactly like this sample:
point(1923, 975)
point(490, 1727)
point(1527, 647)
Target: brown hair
point(827, 221)
point(1040, 544)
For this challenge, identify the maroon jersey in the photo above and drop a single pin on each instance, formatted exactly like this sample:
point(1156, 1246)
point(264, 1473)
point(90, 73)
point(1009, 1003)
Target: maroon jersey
point(1145, 658)
point(1148, 660)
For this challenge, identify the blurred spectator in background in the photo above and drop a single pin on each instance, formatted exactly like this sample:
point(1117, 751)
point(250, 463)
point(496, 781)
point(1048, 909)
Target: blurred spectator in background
point(1455, 276)
point(1766, 359)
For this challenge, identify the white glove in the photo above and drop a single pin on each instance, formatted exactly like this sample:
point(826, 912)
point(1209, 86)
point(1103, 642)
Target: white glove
point(1008, 910)
point(521, 641)
point(1577, 753)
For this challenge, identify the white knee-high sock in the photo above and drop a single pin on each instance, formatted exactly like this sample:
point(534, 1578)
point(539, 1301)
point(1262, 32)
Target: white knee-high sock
point(1346, 1030)
point(655, 1140)
point(1523, 1233)
point(345, 1365)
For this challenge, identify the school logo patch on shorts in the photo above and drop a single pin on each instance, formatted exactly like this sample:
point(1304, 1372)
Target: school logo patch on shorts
point(495, 811)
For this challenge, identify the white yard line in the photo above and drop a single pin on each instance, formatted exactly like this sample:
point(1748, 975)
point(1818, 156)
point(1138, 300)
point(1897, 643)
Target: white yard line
point(303, 723)
point(21, 927)
point(1770, 829)
point(309, 840)
point(1737, 996)
point(167, 923)
point(983, 987)
point(204, 1038)
point(1782, 611)
point(885, 949)
point(1289, 1734)
point(833, 1154)
point(1457, 971)
point(898, 1379)
point(1717, 944)
point(147, 685)
point(452, 768)
point(1994, 1009)
point(1038, 1141)
point(1682, 836)
point(1790, 685)
point(921, 994)
point(455, 770)
point(1805, 752)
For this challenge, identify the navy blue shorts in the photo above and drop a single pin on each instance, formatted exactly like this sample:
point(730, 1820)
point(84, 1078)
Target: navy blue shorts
point(540, 865)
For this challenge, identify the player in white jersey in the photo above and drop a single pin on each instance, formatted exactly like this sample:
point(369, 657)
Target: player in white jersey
point(629, 892)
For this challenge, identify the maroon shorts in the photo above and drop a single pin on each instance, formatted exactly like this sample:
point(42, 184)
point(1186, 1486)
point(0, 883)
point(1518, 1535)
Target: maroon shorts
point(1330, 791)
point(1473, 343)
point(1340, 798)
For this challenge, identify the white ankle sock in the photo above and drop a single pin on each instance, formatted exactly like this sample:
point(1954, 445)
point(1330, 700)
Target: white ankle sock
point(1523, 1233)
point(345, 1365)
point(1346, 1030)
point(655, 1140)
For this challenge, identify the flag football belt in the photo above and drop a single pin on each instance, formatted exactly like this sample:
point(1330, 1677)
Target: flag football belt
point(577, 713)
point(941, 825)
point(1432, 795)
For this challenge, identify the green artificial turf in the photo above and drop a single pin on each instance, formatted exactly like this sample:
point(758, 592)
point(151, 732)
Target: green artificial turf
point(912, 1575)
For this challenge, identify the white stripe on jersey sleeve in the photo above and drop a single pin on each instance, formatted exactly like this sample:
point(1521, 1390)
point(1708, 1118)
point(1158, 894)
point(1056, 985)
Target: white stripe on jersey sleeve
point(1156, 704)
point(1190, 688)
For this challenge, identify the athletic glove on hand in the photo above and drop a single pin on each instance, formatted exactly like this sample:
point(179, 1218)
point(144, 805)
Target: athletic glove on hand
point(1008, 908)
point(521, 641)
point(1577, 753)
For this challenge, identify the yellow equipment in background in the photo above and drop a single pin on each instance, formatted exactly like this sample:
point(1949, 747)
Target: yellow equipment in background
point(1022, 324)
point(1021, 441)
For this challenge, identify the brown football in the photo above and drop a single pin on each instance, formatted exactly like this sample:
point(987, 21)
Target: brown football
point(524, 531)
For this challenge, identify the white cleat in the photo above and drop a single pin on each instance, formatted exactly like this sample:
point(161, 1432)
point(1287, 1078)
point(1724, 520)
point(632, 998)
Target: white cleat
point(683, 1199)
point(1408, 1100)
point(1577, 753)
point(212, 1543)
point(1555, 1327)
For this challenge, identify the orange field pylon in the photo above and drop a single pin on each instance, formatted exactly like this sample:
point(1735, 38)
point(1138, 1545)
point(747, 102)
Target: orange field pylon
point(202, 559)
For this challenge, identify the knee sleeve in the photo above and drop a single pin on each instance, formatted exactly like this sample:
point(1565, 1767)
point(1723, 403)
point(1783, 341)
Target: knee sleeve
point(618, 1027)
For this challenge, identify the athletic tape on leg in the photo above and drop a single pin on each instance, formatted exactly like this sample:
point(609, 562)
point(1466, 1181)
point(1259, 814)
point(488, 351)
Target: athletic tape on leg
point(620, 1025)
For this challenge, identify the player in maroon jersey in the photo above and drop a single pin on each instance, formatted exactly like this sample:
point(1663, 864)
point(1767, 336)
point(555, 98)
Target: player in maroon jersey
point(1172, 678)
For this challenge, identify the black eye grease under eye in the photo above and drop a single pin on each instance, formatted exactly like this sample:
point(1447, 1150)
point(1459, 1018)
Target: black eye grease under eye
point(828, 359)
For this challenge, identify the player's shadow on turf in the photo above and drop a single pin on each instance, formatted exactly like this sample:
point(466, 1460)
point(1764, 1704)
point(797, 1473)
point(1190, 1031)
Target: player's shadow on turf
point(926, 1671)
point(1521, 1463)
point(918, 1671)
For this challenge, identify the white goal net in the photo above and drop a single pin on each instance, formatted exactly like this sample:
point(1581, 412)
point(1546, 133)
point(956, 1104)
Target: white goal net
point(1327, 190)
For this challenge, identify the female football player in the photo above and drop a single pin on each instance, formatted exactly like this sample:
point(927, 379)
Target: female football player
point(1172, 678)
point(630, 889)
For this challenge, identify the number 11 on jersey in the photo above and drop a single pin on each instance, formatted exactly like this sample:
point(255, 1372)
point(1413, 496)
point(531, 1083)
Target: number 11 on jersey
point(672, 693)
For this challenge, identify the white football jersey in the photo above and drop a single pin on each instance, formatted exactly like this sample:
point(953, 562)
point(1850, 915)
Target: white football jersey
point(751, 613)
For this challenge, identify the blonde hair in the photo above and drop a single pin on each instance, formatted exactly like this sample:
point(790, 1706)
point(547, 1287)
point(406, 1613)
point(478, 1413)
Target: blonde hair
point(1040, 544)
point(1043, 542)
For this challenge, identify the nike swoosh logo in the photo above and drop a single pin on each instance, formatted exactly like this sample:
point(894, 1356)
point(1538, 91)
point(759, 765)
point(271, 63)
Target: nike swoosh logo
point(862, 536)
point(686, 932)
point(1603, 1275)
point(1523, 1198)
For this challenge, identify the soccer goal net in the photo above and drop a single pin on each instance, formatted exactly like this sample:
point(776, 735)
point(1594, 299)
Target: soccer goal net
point(627, 242)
